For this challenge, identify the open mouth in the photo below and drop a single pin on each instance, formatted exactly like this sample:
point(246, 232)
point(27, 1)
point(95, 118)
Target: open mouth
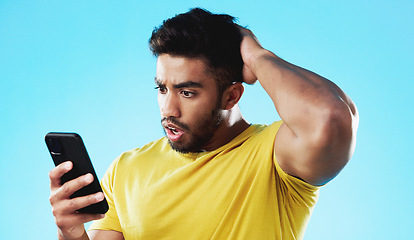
point(173, 133)
point(173, 130)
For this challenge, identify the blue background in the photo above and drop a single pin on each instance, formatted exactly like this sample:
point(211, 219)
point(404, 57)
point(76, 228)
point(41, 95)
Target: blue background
point(84, 66)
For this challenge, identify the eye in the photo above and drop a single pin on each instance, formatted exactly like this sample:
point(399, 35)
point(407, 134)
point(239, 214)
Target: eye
point(161, 89)
point(187, 94)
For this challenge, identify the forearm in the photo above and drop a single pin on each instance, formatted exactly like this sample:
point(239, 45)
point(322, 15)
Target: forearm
point(302, 98)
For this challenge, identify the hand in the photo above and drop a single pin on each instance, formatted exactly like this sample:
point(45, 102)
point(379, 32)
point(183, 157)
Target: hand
point(249, 48)
point(68, 220)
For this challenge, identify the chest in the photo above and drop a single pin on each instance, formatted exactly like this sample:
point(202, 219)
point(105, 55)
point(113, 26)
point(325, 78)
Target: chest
point(200, 198)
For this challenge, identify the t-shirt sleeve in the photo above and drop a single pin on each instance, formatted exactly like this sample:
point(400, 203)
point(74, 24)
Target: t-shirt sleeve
point(295, 190)
point(111, 220)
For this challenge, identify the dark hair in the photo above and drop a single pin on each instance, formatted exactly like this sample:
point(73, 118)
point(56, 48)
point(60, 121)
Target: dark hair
point(198, 33)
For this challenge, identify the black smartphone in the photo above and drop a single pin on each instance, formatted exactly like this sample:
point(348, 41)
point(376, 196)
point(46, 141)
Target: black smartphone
point(70, 147)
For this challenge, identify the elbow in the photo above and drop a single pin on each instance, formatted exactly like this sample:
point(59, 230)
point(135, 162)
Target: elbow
point(338, 125)
point(332, 144)
point(336, 136)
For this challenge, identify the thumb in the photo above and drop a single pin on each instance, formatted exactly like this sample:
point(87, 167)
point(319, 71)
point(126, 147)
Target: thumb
point(248, 76)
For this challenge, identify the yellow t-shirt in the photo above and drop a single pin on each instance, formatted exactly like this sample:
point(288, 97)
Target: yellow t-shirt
point(235, 192)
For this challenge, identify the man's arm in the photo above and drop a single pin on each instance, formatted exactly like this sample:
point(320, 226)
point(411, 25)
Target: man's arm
point(317, 137)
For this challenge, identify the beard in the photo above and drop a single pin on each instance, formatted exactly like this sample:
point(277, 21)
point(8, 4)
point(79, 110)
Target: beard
point(198, 134)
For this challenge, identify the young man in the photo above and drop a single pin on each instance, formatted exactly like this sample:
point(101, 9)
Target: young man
point(214, 175)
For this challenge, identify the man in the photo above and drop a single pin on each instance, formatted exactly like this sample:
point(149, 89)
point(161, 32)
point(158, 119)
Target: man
point(214, 175)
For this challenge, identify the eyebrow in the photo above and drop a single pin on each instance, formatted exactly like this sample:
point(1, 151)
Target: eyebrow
point(186, 84)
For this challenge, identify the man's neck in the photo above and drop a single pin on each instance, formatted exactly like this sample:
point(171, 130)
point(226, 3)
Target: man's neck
point(232, 125)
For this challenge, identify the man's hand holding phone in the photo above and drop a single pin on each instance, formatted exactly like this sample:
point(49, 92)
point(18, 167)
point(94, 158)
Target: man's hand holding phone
point(68, 220)
point(75, 193)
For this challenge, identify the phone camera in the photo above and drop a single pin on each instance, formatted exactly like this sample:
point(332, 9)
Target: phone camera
point(55, 146)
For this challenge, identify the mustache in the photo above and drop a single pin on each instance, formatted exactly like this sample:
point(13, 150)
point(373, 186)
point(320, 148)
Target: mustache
point(174, 121)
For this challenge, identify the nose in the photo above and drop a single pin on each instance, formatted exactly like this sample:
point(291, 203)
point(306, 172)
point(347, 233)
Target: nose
point(169, 105)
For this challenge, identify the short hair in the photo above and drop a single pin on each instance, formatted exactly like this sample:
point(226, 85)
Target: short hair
point(198, 33)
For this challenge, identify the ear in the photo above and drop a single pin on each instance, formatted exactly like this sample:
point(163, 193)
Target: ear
point(232, 95)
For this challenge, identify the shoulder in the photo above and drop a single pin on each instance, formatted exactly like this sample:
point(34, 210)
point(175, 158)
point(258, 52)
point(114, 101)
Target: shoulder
point(263, 132)
point(254, 136)
point(134, 156)
point(258, 138)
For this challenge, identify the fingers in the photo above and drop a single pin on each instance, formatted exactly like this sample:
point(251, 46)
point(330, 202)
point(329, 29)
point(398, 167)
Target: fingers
point(251, 50)
point(248, 33)
point(68, 220)
point(69, 206)
point(56, 173)
point(60, 194)
point(65, 214)
point(245, 32)
point(67, 189)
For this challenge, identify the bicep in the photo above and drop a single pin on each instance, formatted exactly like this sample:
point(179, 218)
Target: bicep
point(105, 235)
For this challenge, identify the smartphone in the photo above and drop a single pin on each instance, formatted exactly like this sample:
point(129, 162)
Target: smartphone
point(70, 147)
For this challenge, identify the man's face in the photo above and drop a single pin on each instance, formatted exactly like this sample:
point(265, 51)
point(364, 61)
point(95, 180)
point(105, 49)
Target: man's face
point(188, 101)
